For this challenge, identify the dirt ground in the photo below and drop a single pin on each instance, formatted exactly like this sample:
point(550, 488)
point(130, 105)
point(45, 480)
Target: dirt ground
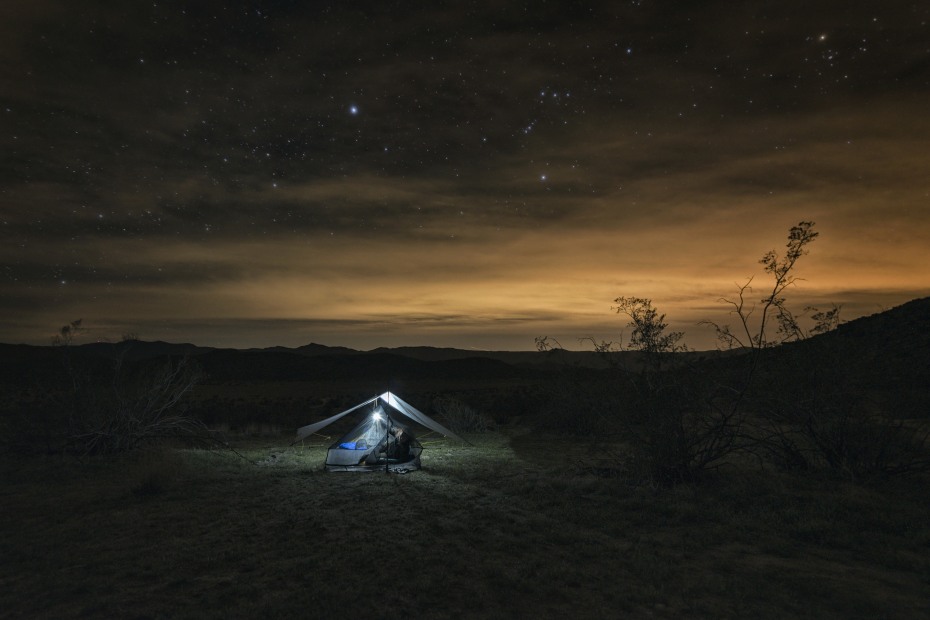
point(505, 527)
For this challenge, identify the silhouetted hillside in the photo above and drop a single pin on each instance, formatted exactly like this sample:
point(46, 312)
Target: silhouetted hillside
point(134, 350)
point(230, 365)
point(901, 333)
point(890, 349)
point(905, 327)
point(886, 354)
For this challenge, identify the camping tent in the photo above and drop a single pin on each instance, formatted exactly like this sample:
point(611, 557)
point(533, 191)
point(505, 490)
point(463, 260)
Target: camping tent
point(382, 440)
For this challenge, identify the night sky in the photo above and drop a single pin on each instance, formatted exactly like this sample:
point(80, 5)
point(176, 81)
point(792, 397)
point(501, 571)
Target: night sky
point(451, 173)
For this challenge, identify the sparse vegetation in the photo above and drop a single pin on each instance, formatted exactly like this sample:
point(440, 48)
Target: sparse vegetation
point(143, 405)
point(763, 481)
point(823, 416)
point(649, 330)
point(668, 413)
point(792, 410)
point(107, 405)
point(508, 527)
point(459, 416)
point(754, 332)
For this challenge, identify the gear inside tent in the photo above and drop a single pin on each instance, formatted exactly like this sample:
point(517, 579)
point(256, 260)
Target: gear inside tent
point(383, 439)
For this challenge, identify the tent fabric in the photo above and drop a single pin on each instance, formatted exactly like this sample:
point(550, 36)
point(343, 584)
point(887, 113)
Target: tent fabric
point(370, 445)
point(415, 414)
point(305, 431)
point(395, 403)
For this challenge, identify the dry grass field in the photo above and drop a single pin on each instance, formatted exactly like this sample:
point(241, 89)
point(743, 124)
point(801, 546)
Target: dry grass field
point(511, 526)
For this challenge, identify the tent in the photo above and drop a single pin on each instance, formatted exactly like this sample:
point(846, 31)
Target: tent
point(381, 440)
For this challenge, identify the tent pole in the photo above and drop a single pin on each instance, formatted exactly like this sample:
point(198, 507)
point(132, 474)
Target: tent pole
point(387, 434)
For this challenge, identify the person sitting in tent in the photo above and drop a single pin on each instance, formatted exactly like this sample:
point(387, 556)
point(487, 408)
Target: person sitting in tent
point(401, 444)
point(358, 449)
point(396, 445)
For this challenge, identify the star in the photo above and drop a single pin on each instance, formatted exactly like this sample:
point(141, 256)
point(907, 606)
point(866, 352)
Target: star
point(353, 110)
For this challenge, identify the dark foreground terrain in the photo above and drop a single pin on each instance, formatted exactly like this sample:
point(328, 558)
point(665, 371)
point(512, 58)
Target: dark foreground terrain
point(506, 527)
point(589, 496)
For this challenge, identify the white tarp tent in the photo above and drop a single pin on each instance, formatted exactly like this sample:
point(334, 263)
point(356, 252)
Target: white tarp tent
point(368, 445)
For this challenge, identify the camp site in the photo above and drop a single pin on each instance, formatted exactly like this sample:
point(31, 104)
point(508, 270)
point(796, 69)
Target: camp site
point(380, 440)
point(526, 487)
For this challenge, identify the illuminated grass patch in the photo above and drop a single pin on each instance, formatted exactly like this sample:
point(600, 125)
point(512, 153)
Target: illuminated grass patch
point(496, 529)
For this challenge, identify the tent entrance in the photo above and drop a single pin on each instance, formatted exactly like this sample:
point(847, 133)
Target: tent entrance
point(376, 443)
point(380, 441)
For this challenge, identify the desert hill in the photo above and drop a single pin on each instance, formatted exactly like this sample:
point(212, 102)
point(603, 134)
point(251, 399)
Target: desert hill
point(896, 342)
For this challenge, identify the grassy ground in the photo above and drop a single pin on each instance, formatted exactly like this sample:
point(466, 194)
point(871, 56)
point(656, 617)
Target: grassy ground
point(494, 530)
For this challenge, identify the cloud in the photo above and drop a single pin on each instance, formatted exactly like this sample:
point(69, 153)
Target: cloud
point(198, 165)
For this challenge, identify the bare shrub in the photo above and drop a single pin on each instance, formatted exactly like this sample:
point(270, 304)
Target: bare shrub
point(681, 424)
point(682, 419)
point(822, 417)
point(755, 330)
point(578, 404)
point(141, 405)
point(460, 417)
point(846, 437)
point(810, 410)
point(106, 406)
point(678, 418)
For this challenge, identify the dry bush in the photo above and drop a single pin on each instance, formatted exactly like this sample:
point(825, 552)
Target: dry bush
point(576, 402)
point(143, 404)
point(100, 406)
point(680, 423)
point(460, 417)
point(816, 414)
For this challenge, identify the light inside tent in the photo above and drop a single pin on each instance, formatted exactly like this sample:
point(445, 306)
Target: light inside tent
point(368, 445)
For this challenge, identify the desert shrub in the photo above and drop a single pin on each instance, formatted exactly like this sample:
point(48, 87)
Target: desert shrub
point(818, 414)
point(672, 422)
point(242, 414)
point(459, 416)
point(680, 419)
point(133, 406)
point(846, 436)
point(576, 402)
point(680, 423)
point(677, 417)
point(99, 405)
point(501, 405)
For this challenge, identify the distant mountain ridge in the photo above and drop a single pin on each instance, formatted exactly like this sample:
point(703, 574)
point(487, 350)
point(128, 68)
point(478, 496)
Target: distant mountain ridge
point(136, 350)
point(903, 330)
